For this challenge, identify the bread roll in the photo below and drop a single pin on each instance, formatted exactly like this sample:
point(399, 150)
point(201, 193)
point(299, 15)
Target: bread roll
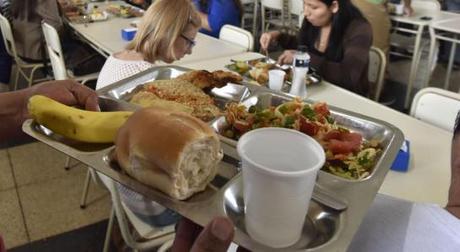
point(171, 151)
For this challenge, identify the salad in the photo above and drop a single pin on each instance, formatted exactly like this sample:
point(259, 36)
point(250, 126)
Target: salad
point(348, 154)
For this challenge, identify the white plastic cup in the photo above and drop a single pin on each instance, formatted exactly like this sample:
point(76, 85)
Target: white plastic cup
point(279, 173)
point(276, 79)
point(399, 9)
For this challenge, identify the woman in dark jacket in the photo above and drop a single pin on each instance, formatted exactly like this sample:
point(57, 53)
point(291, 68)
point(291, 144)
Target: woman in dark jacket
point(338, 39)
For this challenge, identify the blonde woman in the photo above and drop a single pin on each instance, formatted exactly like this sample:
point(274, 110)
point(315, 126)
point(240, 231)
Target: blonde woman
point(166, 33)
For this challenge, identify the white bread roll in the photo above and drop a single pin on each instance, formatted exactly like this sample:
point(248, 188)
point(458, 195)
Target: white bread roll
point(171, 151)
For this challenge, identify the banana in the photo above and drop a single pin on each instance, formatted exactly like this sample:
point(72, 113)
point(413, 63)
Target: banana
point(74, 123)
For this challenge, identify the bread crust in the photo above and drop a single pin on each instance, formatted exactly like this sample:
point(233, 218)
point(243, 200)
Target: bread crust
point(151, 146)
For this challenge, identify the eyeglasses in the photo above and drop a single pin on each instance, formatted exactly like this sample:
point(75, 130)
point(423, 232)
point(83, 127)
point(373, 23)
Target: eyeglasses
point(191, 42)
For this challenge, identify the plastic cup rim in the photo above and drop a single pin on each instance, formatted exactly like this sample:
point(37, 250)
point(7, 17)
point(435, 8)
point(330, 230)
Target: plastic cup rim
point(260, 167)
point(277, 71)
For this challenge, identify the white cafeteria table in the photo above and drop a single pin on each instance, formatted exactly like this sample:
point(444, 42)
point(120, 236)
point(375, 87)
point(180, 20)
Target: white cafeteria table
point(105, 37)
point(420, 20)
point(446, 30)
point(428, 177)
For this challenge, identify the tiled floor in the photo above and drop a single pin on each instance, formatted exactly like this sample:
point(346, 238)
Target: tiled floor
point(39, 198)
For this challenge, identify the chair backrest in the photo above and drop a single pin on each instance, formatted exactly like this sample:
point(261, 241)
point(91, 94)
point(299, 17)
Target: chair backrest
point(426, 4)
point(8, 38)
point(376, 70)
point(53, 46)
point(126, 218)
point(436, 106)
point(237, 36)
point(296, 8)
point(272, 4)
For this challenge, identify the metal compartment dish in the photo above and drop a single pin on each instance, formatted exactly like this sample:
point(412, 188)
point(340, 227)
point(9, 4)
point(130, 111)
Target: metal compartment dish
point(263, 98)
point(312, 76)
point(124, 89)
point(335, 212)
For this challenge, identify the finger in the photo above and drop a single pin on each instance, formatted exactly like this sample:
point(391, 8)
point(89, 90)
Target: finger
point(281, 59)
point(264, 41)
point(84, 96)
point(186, 234)
point(216, 236)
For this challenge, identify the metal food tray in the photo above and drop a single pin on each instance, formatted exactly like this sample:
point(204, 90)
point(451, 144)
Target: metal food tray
point(334, 214)
point(312, 76)
point(369, 128)
point(124, 89)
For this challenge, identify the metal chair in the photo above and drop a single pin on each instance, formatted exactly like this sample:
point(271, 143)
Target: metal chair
point(152, 236)
point(53, 46)
point(436, 106)
point(21, 65)
point(403, 38)
point(248, 12)
point(237, 36)
point(275, 6)
point(376, 73)
point(399, 40)
point(296, 10)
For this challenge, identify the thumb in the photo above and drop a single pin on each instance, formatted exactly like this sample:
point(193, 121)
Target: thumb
point(215, 237)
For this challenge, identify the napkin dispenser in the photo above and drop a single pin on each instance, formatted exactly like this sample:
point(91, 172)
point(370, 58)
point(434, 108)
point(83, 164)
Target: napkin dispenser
point(128, 33)
point(401, 163)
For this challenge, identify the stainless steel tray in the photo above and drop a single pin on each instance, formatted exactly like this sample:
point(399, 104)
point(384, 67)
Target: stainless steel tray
point(124, 89)
point(312, 77)
point(335, 212)
point(370, 128)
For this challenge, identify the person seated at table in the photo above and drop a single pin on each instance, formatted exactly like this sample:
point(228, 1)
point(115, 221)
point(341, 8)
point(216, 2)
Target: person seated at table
point(166, 33)
point(216, 13)
point(338, 39)
point(26, 25)
point(215, 236)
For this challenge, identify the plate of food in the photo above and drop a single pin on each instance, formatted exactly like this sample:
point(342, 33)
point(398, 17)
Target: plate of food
point(124, 11)
point(256, 71)
point(97, 15)
point(198, 92)
point(338, 205)
point(353, 147)
point(208, 186)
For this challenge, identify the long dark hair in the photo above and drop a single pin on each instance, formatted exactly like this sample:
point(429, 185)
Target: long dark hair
point(239, 5)
point(346, 13)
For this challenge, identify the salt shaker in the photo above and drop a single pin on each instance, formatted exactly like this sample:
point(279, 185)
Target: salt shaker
point(300, 67)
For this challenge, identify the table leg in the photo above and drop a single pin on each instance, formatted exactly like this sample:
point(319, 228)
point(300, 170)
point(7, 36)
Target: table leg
point(254, 21)
point(414, 66)
point(451, 62)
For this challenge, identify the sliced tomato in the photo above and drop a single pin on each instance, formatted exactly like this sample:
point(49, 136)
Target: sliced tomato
point(355, 138)
point(340, 147)
point(242, 126)
point(343, 142)
point(321, 108)
point(333, 134)
point(307, 127)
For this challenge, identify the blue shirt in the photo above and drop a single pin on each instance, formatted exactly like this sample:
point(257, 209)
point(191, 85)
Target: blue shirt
point(220, 12)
